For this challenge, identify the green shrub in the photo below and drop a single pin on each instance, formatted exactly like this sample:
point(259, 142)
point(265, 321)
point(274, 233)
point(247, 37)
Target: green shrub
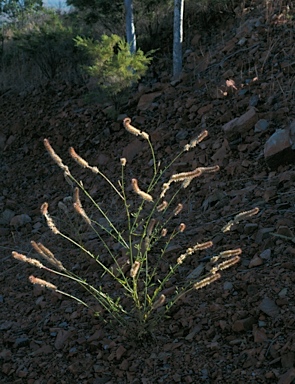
point(139, 282)
point(47, 41)
point(114, 67)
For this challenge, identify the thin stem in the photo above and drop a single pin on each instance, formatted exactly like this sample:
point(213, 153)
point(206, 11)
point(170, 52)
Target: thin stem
point(104, 299)
point(111, 184)
point(122, 282)
point(120, 238)
point(154, 166)
point(72, 297)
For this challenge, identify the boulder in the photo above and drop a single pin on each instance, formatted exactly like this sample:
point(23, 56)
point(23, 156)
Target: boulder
point(279, 149)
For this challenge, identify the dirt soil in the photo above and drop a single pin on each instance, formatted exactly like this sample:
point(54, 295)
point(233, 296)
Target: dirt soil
point(241, 329)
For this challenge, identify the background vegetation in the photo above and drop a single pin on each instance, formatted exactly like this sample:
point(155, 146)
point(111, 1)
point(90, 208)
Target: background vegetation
point(37, 44)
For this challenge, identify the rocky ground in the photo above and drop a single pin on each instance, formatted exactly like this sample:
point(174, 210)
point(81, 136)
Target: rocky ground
point(239, 85)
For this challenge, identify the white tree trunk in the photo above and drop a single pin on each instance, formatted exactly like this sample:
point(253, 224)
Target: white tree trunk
point(177, 37)
point(130, 28)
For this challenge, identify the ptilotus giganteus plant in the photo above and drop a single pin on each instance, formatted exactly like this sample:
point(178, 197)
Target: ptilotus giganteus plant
point(149, 281)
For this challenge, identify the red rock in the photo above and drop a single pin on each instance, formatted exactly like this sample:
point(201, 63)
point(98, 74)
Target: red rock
point(255, 262)
point(6, 354)
point(259, 335)
point(269, 375)
point(132, 149)
point(61, 338)
point(285, 231)
point(6, 368)
point(98, 335)
point(120, 352)
point(243, 324)
point(125, 365)
point(44, 350)
point(230, 45)
point(205, 109)
point(146, 100)
point(240, 126)
point(287, 377)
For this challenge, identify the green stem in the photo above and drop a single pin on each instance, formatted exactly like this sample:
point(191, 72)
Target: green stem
point(110, 183)
point(120, 238)
point(107, 270)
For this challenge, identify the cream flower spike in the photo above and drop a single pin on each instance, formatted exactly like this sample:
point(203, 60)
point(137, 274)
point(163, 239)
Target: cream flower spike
point(134, 131)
